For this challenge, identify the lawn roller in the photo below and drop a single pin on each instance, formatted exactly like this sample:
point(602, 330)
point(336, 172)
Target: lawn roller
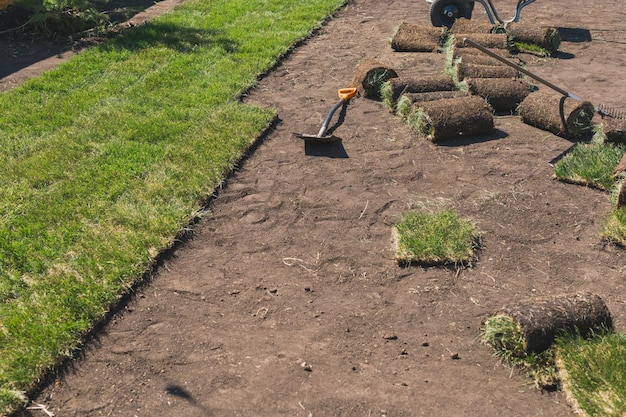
point(345, 94)
point(445, 12)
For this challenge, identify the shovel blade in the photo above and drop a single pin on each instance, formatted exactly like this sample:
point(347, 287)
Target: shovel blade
point(316, 138)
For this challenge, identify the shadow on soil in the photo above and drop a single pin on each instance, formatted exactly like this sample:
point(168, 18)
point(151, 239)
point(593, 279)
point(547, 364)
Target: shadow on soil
point(574, 34)
point(20, 48)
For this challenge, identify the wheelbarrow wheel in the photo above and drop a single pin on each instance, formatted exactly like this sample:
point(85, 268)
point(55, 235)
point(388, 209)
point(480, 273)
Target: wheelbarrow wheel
point(445, 12)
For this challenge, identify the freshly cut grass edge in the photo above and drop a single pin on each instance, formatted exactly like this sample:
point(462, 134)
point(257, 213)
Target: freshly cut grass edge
point(591, 373)
point(614, 227)
point(590, 164)
point(386, 94)
point(403, 107)
point(567, 385)
point(418, 120)
point(504, 335)
point(531, 48)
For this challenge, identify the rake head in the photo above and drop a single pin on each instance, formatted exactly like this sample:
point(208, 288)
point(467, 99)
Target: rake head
point(612, 113)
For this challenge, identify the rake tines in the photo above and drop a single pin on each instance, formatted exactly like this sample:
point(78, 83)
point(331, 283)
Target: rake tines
point(605, 111)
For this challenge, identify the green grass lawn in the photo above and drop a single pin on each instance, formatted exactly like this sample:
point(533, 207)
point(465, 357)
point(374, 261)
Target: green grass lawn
point(107, 158)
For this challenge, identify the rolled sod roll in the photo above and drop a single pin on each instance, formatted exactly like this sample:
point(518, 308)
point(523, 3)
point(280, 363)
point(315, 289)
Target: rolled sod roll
point(563, 116)
point(502, 94)
point(614, 130)
point(547, 38)
point(460, 53)
point(488, 40)
point(464, 71)
point(450, 118)
point(369, 76)
point(541, 320)
point(392, 89)
point(416, 38)
point(476, 59)
point(464, 25)
point(407, 100)
point(433, 95)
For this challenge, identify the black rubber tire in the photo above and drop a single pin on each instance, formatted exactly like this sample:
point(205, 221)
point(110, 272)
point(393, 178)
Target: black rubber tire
point(445, 12)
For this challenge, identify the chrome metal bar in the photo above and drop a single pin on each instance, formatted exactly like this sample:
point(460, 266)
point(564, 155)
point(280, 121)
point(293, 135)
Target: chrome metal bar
point(492, 13)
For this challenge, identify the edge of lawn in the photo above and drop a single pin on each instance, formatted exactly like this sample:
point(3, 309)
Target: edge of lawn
point(15, 391)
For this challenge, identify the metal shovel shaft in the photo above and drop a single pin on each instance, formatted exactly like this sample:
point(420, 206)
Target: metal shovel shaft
point(345, 94)
point(332, 111)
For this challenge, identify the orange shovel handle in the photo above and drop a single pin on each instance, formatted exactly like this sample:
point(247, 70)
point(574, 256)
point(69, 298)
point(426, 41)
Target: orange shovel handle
point(347, 93)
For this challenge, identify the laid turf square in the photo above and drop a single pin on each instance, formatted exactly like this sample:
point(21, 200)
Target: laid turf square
point(435, 239)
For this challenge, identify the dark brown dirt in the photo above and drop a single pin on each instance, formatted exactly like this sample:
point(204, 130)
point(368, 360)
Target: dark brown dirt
point(287, 300)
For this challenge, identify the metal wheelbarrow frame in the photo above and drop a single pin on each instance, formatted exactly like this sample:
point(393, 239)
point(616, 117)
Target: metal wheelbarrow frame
point(445, 12)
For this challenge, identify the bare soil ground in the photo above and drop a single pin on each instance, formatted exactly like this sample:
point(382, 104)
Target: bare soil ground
point(286, 300)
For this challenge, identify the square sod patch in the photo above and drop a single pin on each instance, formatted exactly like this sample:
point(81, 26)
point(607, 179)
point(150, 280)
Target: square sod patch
point(440, 238)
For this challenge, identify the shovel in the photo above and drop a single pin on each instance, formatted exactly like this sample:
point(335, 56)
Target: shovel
point(345, 94)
